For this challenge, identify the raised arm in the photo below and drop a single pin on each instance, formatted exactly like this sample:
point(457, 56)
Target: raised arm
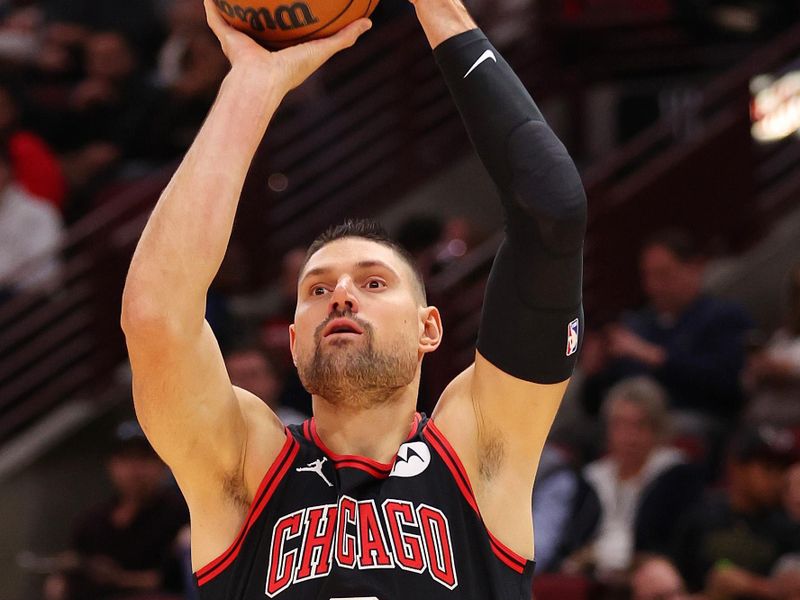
point(219, 441)
point(499, 412)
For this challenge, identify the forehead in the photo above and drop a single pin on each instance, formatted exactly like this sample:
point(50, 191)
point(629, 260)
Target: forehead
point(344, 255)
point(659, 255)
point(245, 357)
point(622, 407)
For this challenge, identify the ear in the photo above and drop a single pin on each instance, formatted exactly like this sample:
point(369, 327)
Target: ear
point(292, 341)
point(432, 329)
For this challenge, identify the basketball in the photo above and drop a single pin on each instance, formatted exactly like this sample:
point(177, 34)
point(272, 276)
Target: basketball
point(282, 23)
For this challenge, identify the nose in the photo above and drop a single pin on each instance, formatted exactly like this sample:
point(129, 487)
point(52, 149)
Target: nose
point(343, 299)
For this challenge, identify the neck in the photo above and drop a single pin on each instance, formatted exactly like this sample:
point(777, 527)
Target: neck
point(677, 309)
point(130, 502)
point(629, 470)
point(741, 501)
point(375, 432)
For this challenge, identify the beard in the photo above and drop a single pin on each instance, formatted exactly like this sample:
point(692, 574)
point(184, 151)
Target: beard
point(354, 373)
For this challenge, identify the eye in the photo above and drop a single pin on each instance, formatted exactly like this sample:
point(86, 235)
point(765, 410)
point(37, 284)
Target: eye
point(318, 290)
point(375, 284)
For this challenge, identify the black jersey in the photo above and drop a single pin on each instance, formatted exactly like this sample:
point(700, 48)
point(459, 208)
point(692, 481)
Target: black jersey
point(324, 526)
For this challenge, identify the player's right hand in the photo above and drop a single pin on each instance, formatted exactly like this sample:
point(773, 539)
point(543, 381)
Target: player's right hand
point(289, 67)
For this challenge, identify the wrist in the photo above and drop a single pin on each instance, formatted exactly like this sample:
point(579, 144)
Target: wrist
point(259, 79)
point(442, 19)
point(657, 356)
point(251, 93)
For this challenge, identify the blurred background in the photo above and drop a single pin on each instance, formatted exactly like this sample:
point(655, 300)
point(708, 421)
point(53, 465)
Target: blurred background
point(673, 466)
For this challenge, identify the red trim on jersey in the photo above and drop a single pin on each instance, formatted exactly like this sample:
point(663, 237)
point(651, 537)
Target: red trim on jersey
point(351, 464)
point(450, 458)
point(453, 463)
point(414, 426)
point(351, 461)
point(507, 555)
point(265, 491)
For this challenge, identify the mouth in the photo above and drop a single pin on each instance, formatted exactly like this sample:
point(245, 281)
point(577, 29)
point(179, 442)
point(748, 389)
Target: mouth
point(342, 327)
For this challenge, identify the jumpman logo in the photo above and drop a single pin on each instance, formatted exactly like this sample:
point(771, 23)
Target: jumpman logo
point(316, 467)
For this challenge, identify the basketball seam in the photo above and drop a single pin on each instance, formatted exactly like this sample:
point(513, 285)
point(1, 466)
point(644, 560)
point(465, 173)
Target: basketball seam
point(302, 38)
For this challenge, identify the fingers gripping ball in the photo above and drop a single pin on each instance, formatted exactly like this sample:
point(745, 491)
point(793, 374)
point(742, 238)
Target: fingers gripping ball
point(282, 23)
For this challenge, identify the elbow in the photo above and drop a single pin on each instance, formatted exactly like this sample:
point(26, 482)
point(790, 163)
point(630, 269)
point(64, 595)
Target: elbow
point(147, 316)
point(140, 314)
point(546, 181)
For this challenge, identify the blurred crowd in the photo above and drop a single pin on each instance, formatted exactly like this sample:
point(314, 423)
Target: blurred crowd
point(91, 92)
point(681, 476)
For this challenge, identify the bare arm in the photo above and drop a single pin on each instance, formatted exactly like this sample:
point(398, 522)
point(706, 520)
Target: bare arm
point(192, 415)
point(442, 19)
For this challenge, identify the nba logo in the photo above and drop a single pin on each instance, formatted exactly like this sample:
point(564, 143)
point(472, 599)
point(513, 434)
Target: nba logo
point(572, 337)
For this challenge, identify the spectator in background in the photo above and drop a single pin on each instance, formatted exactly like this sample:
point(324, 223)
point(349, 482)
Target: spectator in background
point(30, 234)
point(190, 68)
point(788, 567)
point(656, 578)
point(251, 369)
point(435, 243)
point(773, 374)
point(278, 309)
point(736, 18)
point(19, 35)
point(58, 62)
point(270, 312)
point(690, 342)
point(420, 234)
point(109, 112)
point(33, 164)
point(274, 331)
point(731, 542)
point(555, 494)
point(642, 485)
point(791, 497)
point(139, 21)
point(124, 546)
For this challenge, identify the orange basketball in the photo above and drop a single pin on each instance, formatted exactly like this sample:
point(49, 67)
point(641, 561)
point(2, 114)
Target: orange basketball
point(281, 23)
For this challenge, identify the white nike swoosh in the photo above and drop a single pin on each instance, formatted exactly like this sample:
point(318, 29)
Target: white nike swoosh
point(484, 57)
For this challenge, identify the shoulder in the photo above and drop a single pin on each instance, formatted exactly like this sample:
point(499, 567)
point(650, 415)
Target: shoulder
point(30, 207)
point(266, 438)
point(25, 143)
point(715, 309)
point(598, 471)
point(664, 459)
point(710, 511)
point(93, 522)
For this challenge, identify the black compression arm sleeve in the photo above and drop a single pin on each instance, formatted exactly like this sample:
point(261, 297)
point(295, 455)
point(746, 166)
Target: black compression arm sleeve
point(532, 314)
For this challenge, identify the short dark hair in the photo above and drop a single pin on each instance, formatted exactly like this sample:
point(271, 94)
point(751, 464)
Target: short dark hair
point(764, 444)
point(677, 241)
point(367, 229)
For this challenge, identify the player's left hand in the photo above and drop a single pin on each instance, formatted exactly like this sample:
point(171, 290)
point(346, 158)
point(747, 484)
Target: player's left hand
point(103, 570)
point(288, 67)
point(623, 343)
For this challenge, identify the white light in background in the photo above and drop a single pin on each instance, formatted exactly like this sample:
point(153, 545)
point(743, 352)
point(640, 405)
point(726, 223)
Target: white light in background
point(775, 108)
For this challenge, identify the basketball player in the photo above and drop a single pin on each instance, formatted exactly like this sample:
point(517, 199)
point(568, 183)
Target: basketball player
point(367, 499)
